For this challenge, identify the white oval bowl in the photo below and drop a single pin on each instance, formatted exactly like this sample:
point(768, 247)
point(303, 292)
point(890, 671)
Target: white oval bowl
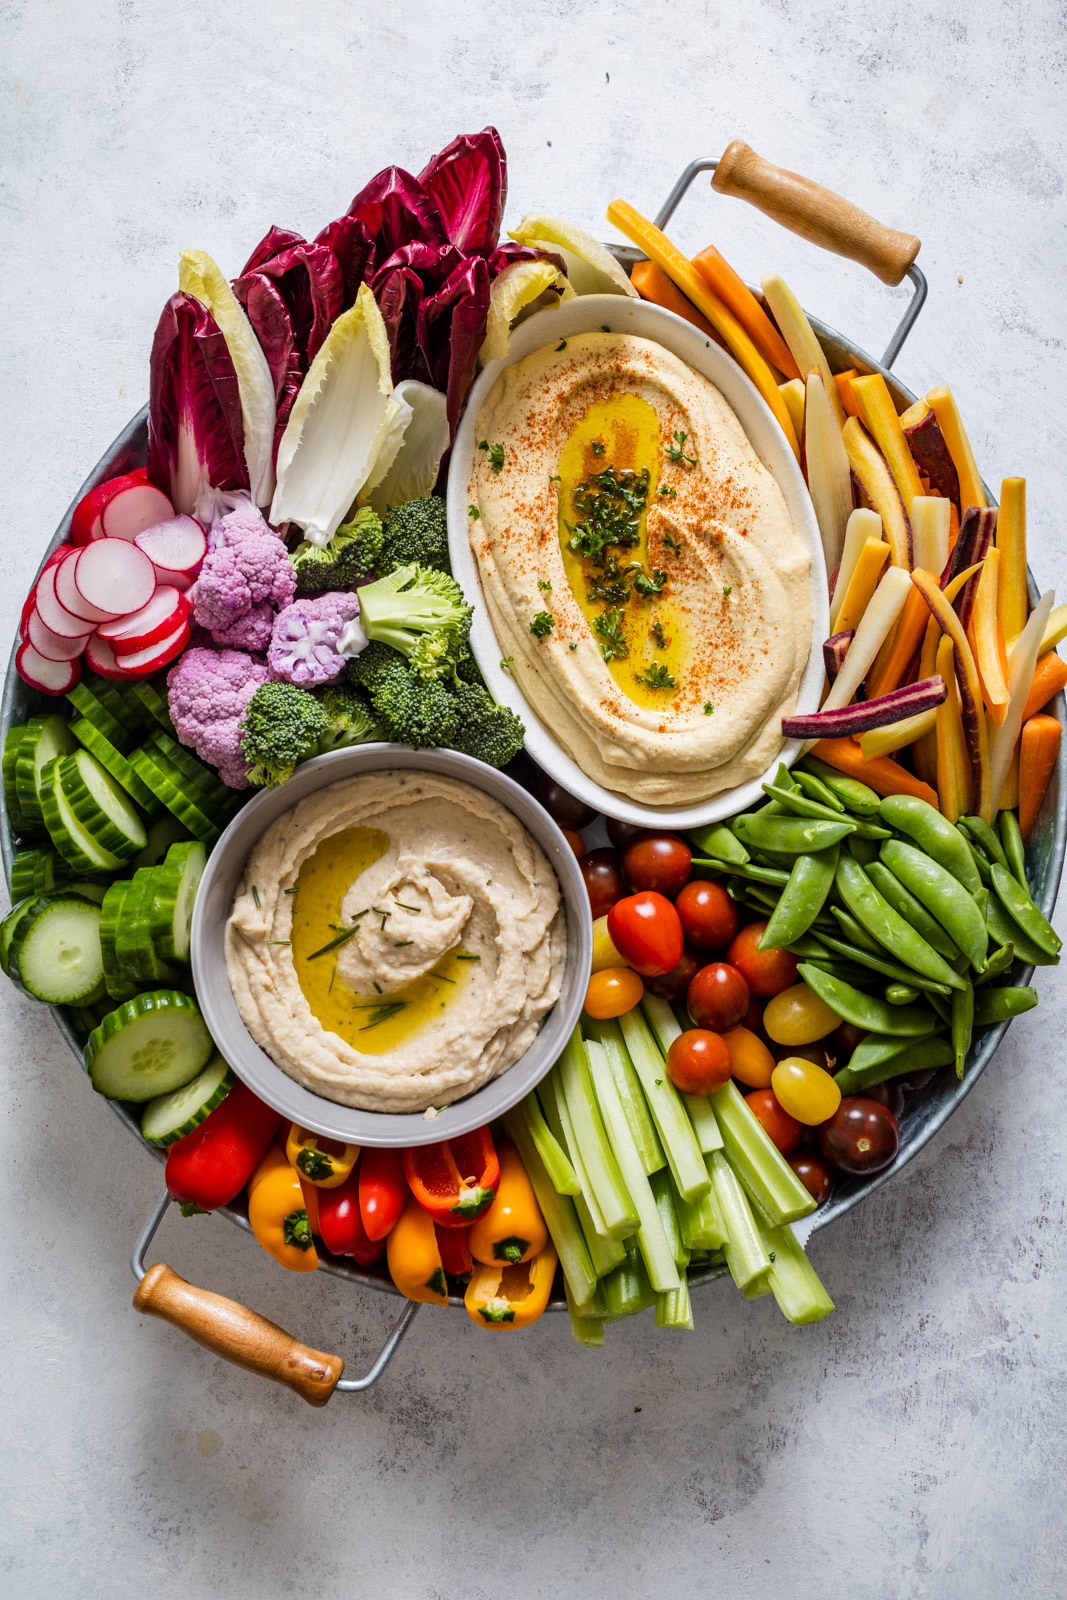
point(588, 314)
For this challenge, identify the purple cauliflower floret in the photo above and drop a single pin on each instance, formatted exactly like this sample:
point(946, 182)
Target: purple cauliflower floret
point(245, 578)
point(208, 692)
point(307, 648)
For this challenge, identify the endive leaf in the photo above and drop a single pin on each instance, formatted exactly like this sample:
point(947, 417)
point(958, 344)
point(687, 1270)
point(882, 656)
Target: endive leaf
point(591, 268)
point(514, 291)
point(421, 434)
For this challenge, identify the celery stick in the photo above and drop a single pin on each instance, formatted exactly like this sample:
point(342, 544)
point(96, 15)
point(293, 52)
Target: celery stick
point(669, 1114)
point(570, 1144)
point(661, 1019)
point(587, 1331)
point(744, 1252)
point(764, 1172)
point(700, 1221)
point(670, 1210)
point(793, 1280)
point(652, 1237)
point(675, 1309)
point(705, 1122)
point(627, 1289)
point(549, 1148)
point(665, 1025)
point(557, 1210)
point(605, 1253)
point(758, 1288)
point(598, 1158)
point(633, 1099)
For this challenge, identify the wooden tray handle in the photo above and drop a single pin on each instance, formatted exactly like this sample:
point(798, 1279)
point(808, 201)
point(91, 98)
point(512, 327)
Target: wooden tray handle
point(815, 213)
point(237, 1334)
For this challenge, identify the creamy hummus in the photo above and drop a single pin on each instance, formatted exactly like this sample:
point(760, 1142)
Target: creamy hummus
point(662, 665)
point(396, 941)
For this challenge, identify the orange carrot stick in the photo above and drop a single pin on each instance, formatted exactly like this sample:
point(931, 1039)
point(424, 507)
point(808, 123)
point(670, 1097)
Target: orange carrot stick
point(1039, 745)
point(1049, 678)
point(722, 280)
point(882, 774)
point(843, 380)
point(911, 629)
point(652, 283)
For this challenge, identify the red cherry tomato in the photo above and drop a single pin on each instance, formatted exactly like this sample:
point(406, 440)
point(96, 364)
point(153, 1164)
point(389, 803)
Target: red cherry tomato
point(659, 861)
point(603, 879)
point(861, 1137)
point(562, 806)
point(709, 916)
point(889, 1094)
point(622, 834)
point(844, 1039)
point(718, 997)
point(646, 932)
point(781, 1129)
point(673, 985)
point(754, 1020)
point(575, 840)
point(813, 1173)
point(699, 1062)
point(768, 973)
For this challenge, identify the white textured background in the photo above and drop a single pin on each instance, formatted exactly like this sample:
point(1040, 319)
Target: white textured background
point(912, 1445)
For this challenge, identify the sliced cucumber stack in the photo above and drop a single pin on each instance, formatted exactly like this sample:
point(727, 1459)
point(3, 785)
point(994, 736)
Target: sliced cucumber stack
point(103, 707)
point(139, 961)
point(167, 785)
point(150, 1046)
point(171, 912)
point(151, 704)
point(20, 825)
point(114, 762)
point(165, 831)
point(37, 871)
point(55, 951)
point(100, 805)
point(121, 985)
point(7, 931)
point(73, 841)
point(172, 1116)
point(197, 777)
point(43, 738)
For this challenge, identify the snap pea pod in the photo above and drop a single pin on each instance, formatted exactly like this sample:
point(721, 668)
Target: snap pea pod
point(815, 789)
point(1012, 841)
point(865, 1010)
point(901, 994)
point(878, 963)
point(809, 946)
point(856, 797)
point(1022, 910)
point(878, 1048)
point(1005, 930)
point(941, 892)
point(984, 837)
point(912, 910)
point(800, 806)
point(877, 918)
point(765, 898)
point(791, 836)
point(995, 964)
point(962, 1025)
point(802, 898)
point(746, 869)
point(920, 1056)
point(933, 833)
point(865, 851)
point(846, 971)
point(718, 841)
point(854, 931)
point(981, 864)
point(998, 1005)
point(743, 893)
point(942, 1007)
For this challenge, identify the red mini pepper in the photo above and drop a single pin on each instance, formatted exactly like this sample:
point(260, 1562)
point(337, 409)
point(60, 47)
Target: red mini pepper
point(211, 1165)
point(341, 1227)
point(454, 1245)
point(383, 1190)
point(456, 1180)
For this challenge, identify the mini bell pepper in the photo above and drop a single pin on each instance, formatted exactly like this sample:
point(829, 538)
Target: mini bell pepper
point(513, 1228)
point(323, 1162)
point(311, 1206)
point(211, 1165)
point(383, 1190)
point(454, 1245)
point(456, 1180)
point(341, 1226)
point(277, 1213)
point(414, 1259)
point(510, 1296)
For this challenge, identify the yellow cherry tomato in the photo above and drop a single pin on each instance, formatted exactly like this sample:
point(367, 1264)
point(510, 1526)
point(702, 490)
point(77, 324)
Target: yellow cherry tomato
point(750, 1060)
point(613, 992)
point(805, 1091)
point(798, 1016)
point(604, 951)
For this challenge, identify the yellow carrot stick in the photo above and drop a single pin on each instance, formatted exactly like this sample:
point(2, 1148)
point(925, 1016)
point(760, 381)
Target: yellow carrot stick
point(953, 767)
point(879, 415)
point(735, 294)
point(974, 722)
point(898, 735)
point(1012, 607)
point(950, 422)
point(1009, 793)
point(986, 640)
point(667, 256)
point(800, 336)
point(863, 583)
point(861, 526)
point(1055, 628)
point(793, 393)
point(872, 470)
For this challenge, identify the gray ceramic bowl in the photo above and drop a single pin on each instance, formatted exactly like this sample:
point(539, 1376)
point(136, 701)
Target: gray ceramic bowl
point(255, 1068)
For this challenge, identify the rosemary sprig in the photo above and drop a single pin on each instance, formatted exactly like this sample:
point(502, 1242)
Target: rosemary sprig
point(342, 938)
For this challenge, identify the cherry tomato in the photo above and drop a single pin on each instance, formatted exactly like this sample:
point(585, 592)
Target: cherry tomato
point(813, 1173)
point(659, 861)
point(781, 1129)
point(767, 974)
point(622, 834)
point(846, 1036)
point(698, 1061)
point(808, 1052)
point(575, 840)
point(889, 1094)
point(709, 916)
point(718, 997)
point(604, 952)
point(673, 985)
point(613, 992)
point(754, 1020)
point(798, 1016)
point(861, 1137)
point(562, 806)
point(806, 1091)
point(750, 1059)
point(603, 879)
point(646, 932)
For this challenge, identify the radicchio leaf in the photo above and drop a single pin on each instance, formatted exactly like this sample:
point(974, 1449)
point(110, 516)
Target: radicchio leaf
point(451, 327)
point(309, 279)
point(395, 209)
point(469, 183)
point(273, 326)
point(399, 291)
point(355, 250)
point(195, 433)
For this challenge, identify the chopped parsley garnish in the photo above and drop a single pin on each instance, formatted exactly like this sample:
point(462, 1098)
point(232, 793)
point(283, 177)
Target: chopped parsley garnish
point(657, 676)
point(677, 451)
point(542, 624)
point(708, 708)
point(505, 665)
point(727, 590)
point(544, 585)
point(613, 646)
point(599, 447)
point(572, 647)
point(604, 328)
point(612, 589)
point(473, 513)
point(496, 455)
point(656, 631)
point(554, 477)
point(561, 346)
point(611, 504)
point(672, 544)
point(667, 492)
point(646, 585)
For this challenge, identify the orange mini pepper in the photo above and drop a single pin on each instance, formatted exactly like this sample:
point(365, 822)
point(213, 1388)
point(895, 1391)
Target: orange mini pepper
point(510, 1296)
point(414, 1258)
point(277, 1213)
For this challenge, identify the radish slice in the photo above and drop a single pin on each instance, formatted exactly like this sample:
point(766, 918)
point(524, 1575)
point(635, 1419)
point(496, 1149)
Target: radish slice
point(54, 615)
point(135, 507)
point(167, 577)
point(51, 645)
point(114, 576)
point(165, 612)
point(51, 677)
point(101, 659)
point(142, 663)
point(85, 523)
point(178, 545)
point(69, 598)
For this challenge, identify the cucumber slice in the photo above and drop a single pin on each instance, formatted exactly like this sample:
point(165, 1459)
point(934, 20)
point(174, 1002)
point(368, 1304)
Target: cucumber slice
point(104, 810)
point(37, 871)
point(74, 843)
point(85, 1018)
point(165, 785)
point(139, 959)
point(193, 775)
point(171, 910)
point(121, 984)
point(88, 891)
point(153, 1044)
point(55, 951)
point(7, 931)
point(117, 701)
point(104, 711)
point(151, 704)
point(114, 762)
point(165, 831)
point(172, 1116)
point(43, 739)
point(12, 745)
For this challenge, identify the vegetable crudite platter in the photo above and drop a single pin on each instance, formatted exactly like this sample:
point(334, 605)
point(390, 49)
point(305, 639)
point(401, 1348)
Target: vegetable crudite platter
point(533, 773)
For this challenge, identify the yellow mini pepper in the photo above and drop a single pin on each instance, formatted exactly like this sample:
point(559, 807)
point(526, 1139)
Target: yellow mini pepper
point(323, 1162)
point(513, 1228)
point(277, 1213)
point(510, 1296)
point(414, 1258)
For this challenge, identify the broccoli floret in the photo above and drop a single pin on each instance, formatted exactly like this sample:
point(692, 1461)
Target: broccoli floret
point(282, 727)
point(467, 669)
point(420, 613)
point(350, 718)
point(411, 711)
point(489, 732)
point(351, 555)
point(416, 531)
